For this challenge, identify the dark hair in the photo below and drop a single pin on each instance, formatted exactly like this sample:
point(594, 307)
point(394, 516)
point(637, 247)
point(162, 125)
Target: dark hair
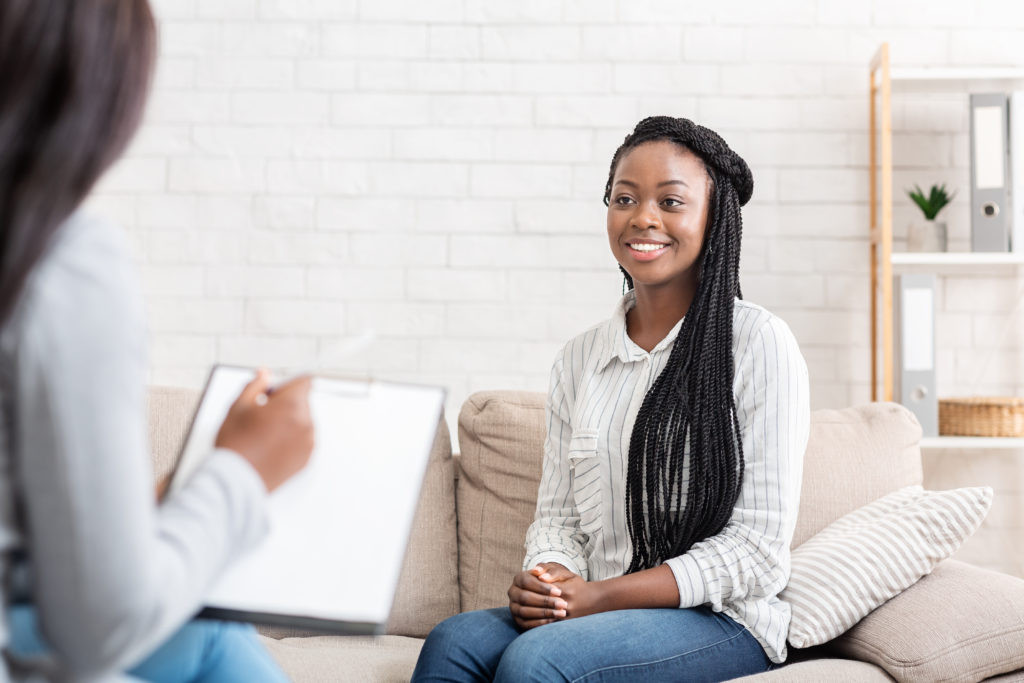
point(74, 76)
point(690, 408)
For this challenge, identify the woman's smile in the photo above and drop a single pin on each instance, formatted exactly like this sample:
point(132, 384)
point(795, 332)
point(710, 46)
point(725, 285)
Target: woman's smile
point(647, 250)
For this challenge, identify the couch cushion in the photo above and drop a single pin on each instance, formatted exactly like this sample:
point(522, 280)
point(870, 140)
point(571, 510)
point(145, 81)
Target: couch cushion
point(170, 414)
point(959, 623)
point(387, 659)
point(818, 670)
point(872, 554)
point(428, 587)
point(501, 435)
point(854, 456)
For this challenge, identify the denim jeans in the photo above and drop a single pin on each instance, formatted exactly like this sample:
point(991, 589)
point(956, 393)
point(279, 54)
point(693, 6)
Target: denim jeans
point(200, 652)
point(628, 645)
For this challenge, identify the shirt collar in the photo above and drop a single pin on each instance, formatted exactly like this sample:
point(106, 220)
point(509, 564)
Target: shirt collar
point(617, 343)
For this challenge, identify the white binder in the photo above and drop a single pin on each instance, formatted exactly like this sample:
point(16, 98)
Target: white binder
point(915, 342)
point(990, 173)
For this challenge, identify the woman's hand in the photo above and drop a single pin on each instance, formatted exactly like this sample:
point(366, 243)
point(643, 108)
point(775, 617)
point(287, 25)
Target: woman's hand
point(581, 597)
point(535, 602)
point(272, 429)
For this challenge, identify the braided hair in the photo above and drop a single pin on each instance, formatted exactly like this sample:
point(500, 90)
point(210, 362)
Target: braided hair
point(691, 402)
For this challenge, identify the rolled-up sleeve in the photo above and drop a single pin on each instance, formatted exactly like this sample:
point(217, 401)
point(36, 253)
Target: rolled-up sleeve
point(750, 558)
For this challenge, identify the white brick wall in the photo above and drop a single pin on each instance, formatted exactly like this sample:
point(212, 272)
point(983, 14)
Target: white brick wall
point(431, 173)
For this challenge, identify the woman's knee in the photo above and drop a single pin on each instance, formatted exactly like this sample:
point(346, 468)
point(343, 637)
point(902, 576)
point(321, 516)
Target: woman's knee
point(470, 631)
point(452, 629)
point(466, 646)
point(537, 655)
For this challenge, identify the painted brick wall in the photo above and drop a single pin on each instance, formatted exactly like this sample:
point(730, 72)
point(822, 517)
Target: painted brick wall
point(426, 176)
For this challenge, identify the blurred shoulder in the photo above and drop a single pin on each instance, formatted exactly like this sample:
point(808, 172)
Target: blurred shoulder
point(86, 278)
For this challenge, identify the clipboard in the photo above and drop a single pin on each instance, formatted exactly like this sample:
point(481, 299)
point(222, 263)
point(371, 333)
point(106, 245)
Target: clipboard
point(351, 507)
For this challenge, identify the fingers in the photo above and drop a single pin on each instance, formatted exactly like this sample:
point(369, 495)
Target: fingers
point(551, 572)
point(258, 386)
point(300, 386)
point(535, 613)
point(526, 598)
point(532, 617)
point(527, 625)
point(527, 581)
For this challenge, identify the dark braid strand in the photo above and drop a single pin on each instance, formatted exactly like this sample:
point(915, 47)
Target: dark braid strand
point(688, 417)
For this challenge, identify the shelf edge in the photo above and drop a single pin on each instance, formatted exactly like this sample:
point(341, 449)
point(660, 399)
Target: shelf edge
point(971, 443)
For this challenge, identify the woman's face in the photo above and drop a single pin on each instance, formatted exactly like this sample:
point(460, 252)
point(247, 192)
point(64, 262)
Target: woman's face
point(657, 212)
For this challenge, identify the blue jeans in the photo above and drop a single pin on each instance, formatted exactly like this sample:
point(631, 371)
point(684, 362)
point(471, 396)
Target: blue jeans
point(201, 652)
point(628, 645)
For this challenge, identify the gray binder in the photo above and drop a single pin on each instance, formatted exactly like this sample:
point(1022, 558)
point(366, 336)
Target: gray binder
point(990, 173)
point(1017, 171)
point(914, 308)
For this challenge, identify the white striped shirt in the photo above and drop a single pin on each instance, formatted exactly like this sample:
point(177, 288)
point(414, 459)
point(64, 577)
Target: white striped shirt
point(598, 382)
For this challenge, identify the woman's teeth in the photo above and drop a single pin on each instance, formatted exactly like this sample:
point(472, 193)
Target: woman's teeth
point(647, 247)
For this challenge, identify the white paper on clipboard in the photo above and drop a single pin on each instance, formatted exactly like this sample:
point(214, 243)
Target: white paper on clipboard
point(339, 528)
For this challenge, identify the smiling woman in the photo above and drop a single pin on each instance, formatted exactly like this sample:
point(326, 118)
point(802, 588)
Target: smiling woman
point(673, 458)
point(656, 220)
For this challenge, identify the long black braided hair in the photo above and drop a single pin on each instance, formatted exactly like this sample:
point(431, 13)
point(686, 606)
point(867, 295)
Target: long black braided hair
point(691, 402)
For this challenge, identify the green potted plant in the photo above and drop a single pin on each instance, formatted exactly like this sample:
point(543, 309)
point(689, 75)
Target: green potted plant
point(931, 235)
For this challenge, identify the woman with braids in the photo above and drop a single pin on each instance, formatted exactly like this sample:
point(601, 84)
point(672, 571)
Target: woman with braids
point(673, 457)
point(113, 578)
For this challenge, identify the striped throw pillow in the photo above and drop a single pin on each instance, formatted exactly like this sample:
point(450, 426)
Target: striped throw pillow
point(872, 554)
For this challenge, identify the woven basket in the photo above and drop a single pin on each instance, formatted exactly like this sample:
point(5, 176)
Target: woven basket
point(982, 416)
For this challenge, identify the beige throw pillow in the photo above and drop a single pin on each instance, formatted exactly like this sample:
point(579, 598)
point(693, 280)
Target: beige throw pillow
point(959, 623)
point(873, 553)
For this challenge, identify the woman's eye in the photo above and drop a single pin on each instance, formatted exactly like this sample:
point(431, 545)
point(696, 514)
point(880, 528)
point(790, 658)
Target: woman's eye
point(672, 202)
point(623, 200)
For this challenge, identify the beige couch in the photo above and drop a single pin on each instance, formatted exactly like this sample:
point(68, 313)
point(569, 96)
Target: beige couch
point(960, 623)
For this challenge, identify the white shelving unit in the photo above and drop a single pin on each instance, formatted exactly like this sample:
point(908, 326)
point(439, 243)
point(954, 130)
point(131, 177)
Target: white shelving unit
point(970, 442)
point(924, 79)
point(954, 74)
point(952, 259)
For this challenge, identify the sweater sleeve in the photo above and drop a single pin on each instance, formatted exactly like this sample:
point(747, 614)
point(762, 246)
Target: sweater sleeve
point(555, 534)
point(113, 574)
point(750, 557)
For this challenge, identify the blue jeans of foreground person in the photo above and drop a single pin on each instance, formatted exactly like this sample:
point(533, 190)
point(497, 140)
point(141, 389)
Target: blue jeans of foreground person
point(628, 645)
point(200, 652)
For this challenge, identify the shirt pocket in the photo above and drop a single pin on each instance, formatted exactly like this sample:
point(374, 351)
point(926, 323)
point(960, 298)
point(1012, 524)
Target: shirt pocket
point(587, 484)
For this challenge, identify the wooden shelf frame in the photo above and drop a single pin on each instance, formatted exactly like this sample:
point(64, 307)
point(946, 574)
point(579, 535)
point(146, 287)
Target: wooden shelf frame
point(881, 234)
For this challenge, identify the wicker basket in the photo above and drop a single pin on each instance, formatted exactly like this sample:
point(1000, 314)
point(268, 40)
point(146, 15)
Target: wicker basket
point(982, 416)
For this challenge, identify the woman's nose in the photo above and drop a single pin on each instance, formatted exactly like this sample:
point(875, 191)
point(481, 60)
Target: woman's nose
point(646, 216)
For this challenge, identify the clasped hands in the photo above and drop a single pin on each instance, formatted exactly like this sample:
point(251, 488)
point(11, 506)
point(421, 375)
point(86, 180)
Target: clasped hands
point(549, 592)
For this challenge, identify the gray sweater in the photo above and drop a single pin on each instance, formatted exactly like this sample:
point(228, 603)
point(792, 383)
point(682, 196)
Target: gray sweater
point(113, 574)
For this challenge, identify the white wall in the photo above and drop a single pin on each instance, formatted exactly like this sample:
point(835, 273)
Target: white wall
point(431, 172)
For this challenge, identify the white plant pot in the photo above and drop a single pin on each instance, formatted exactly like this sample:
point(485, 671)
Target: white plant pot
point(929, 236)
